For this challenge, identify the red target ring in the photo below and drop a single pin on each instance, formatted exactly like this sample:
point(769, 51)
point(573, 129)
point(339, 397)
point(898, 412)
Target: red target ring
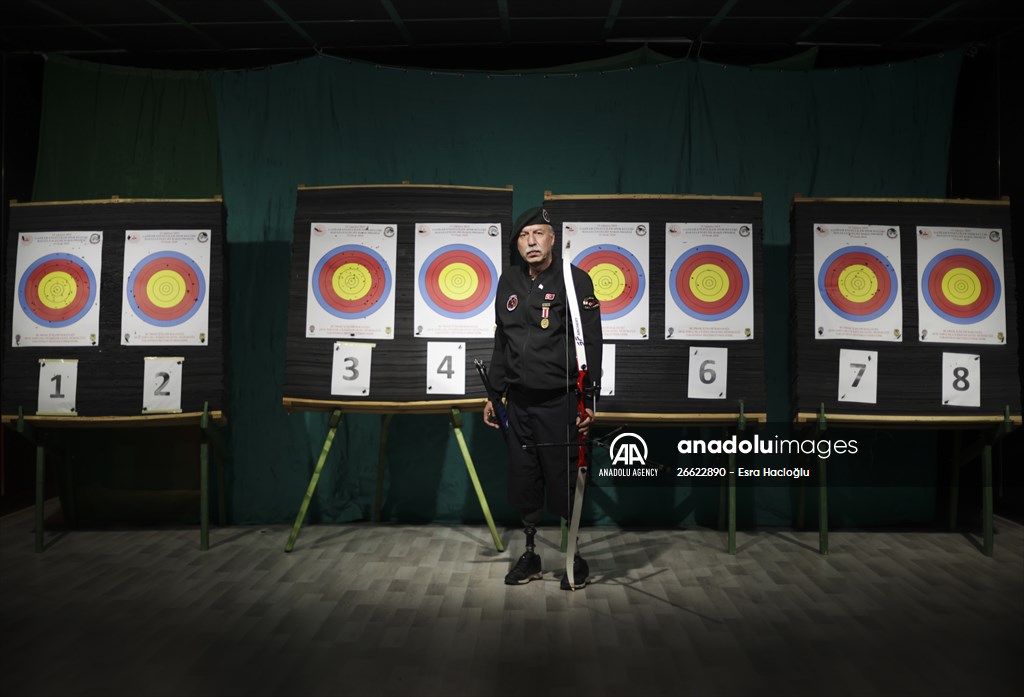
point(369, 278)
point(186, 289)
point(884, 276)
point(627, 278)
point(439, 282)
point(987, 287)
point(59, 314)
point(714, 264)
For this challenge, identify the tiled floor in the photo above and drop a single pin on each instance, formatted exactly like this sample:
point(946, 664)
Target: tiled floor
point(405, 610)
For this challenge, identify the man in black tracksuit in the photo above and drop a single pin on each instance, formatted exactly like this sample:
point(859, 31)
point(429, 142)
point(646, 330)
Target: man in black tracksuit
point(535, 361)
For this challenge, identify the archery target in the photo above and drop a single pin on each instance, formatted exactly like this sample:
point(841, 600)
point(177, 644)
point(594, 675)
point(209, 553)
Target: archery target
point(458, 281)
point(166, 289)
point(961, 286)
point(618, 278)
point(57, 290)
point(858, 283)
point(709, 283)
point(351, 281)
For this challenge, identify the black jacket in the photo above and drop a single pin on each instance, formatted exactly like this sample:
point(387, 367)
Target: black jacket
point(527, 354)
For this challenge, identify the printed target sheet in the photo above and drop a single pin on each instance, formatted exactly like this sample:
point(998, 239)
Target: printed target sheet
point(961, 298)
point(457, 268)
point(351, 292)
point(57, 296)
point(617, 258)
point(709, 281)
point(166, 288)
point(857, 282)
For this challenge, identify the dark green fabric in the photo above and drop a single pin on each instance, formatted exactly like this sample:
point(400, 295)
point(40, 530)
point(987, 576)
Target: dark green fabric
point(109, 131)
point(681, 127)
point(678, 127)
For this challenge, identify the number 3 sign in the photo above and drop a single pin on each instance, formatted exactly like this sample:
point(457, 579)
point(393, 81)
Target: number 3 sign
point(350, 374)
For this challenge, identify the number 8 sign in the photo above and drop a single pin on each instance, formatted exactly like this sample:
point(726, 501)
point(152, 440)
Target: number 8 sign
point(961, 380)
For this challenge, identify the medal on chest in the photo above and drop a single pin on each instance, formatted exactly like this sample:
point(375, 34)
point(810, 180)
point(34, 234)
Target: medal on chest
point(545, 311)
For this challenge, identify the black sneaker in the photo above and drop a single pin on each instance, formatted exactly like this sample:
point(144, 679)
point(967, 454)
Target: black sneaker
point(580, 572)
point(526, 569)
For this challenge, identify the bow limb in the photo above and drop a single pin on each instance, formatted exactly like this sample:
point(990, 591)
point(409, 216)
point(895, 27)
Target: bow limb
point(573, 311)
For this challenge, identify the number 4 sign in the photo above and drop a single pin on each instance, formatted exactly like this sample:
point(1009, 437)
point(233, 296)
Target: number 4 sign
point(858, 376)
point(58, 386)
point(446, 367)
point(961, 380)
point(708, 373)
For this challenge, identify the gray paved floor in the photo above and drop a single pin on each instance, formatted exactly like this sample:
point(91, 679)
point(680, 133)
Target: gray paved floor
point(382, 610)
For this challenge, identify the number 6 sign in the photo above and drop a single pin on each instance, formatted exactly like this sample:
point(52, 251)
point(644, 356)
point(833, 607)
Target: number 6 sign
point(708, 373)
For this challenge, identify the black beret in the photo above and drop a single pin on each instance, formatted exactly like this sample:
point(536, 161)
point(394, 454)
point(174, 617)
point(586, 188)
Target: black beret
point(533, 216)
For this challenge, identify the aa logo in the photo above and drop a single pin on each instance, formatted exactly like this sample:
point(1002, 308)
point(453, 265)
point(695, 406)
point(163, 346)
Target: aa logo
point(629, 449)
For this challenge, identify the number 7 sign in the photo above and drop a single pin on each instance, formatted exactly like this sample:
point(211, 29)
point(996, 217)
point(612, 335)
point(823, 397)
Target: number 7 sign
point(858, 376)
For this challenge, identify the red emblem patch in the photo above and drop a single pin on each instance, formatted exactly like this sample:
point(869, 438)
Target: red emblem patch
point(549, 296)
point(513, 302)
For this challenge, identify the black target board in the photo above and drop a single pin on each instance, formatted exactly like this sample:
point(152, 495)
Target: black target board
point(702, 284)
point(175, 301)
point(362, 295)
point(954, 258)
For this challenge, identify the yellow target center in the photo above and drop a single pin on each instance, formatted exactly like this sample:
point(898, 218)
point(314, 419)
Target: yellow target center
point(166, 288)
point(858, 283)
point(458, 281)
point(351, 281)
point(709, 283)
point(609, 281)
point(961, 286)
point(57, 290)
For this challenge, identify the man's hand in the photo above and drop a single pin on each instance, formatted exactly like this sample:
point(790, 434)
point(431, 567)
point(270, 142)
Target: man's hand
point(490, 417)
point(582, 424)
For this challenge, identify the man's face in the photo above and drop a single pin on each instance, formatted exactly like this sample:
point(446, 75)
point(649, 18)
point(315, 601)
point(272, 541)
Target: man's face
point(535, 242)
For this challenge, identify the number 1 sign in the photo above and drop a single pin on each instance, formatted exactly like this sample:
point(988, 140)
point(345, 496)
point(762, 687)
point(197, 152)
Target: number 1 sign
point(58, 386)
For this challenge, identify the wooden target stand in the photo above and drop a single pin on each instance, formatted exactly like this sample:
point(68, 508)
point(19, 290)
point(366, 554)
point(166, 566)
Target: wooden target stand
point(734, 423)
point(988, 430)
point(906, 398)
point(107, 393)
point(453, 408)
point(36, 430)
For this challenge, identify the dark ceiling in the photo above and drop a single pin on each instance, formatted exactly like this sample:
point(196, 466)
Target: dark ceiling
point(497, 34)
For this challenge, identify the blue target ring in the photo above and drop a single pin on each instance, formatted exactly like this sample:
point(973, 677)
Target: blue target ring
point(990, 292)
point(66, 263)
point(729, 266)
point(630, 284)
point(877, 264)
point(435, 287)
point(372, 263)
point(144, 307)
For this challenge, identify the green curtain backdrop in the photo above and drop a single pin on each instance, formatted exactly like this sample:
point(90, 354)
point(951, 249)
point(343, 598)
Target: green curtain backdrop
point(676, 127)
point(108, 131)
